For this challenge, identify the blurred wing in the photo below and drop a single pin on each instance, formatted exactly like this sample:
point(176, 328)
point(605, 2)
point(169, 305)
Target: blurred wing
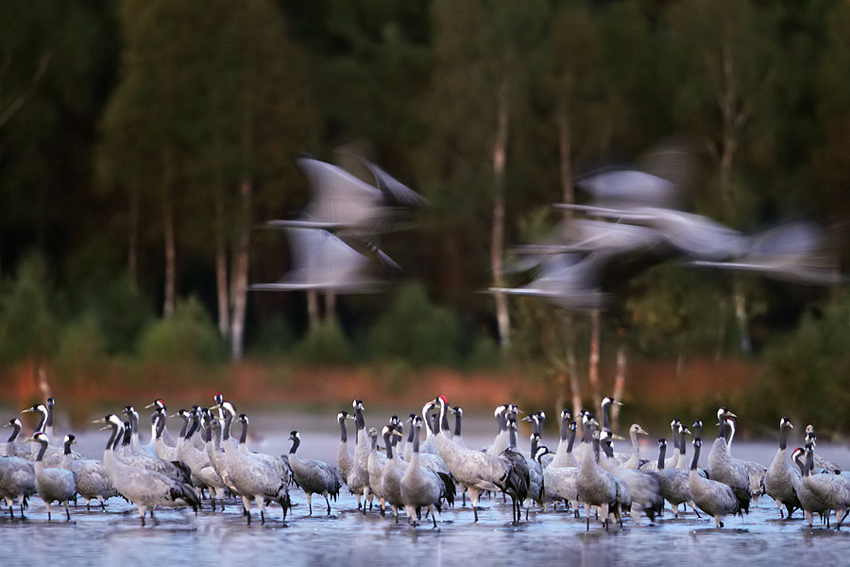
point(395, 191)
point(339, 198)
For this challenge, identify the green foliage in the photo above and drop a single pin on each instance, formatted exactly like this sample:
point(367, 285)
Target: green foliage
point(416, 330)
point(806, 377)
point(485, 354)
point(275, 338)
point(325, 344)
point(28, 326)
point(189, 334)
point(81, 352)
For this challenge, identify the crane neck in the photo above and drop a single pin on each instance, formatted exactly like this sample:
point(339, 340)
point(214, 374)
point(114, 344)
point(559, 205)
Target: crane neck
point(42, 449)
point(810, 461)
point(443, 418)
point(783, 436)
point(228, 422)
point(682, 446)
point(16, 430)
point(112, 437)
point(49, 421)
point(571, 440)
point(695, 462)
point(243, 437)
point(458, 418)
point(675, 436)
point(662, 453)
point(389, 445)
point(67, 447)
point(359, 420)
point(184, 428)
point(193, 428)
point(416, 441)
point(160, 424)
point(119, 437)
point(606, 417)
point(296, 441)
point(565, 428)
point(343, 431)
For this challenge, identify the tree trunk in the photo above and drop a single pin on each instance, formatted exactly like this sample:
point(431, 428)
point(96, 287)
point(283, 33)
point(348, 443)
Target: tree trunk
point(572, 366)
point(619, 382)
point(133, 233)
point(313, 315)
point(221, 267)
point(593, 366)
point(330, 305)
point(239, 275)
point(565, 147)
point(497, 242)
point(169, 241)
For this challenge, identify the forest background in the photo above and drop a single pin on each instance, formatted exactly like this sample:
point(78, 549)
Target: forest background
point(143, 142)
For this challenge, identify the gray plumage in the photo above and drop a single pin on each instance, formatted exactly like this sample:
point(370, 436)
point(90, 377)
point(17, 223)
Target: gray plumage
point(375, 463)
point(165, 435)
point(673, 460)
point(17, 481)
point(596, 487)
point(204, 474)
point(313, 476)
point(11, 448)
point(358, 476)
point(644, 488)
point(144, 487)
point(394, 469)
point(633, 461)
point(421, 487)
point(674, 483)
point(53, 484)
point(279, 464)
point(92, 481)
point(344, 460)
point(564, 456)
point(535, 476)
point(256, 481)
point(725, 468)
point(560, 483)
point(780, 478)
point(712, 497)
point(822, 493)
point(476, 470)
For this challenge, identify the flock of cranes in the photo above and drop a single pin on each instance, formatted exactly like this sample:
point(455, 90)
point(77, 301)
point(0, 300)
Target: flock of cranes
point(420, 471)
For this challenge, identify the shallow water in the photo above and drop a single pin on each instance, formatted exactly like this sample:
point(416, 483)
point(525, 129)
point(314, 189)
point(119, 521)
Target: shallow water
point(349, 537)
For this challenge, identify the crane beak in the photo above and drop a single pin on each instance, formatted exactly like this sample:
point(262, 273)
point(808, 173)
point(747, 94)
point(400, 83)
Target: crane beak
point(642, 432)
point(730, 414)
point(27, 410)
point(150, 405)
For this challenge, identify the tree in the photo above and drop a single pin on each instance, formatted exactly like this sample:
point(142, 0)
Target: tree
point(484, 54)
point(209, 113)
point(729, 68)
